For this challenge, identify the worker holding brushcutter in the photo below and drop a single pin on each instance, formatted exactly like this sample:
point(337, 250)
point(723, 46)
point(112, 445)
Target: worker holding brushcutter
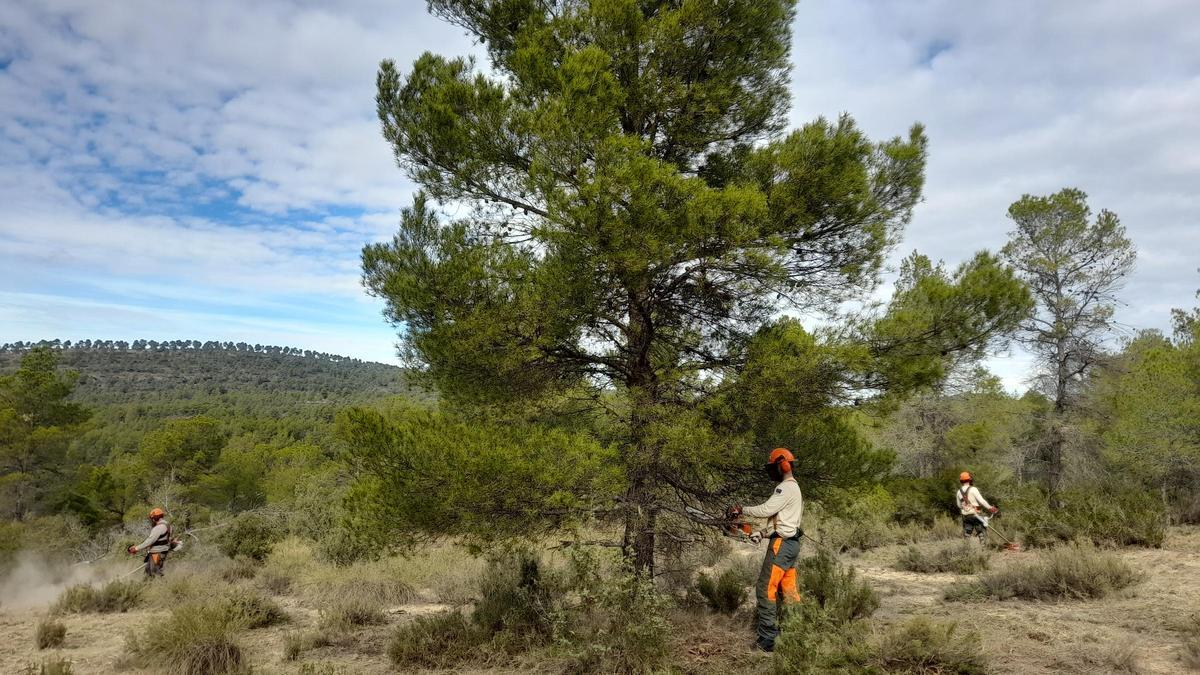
point(777, 579)
point(157, 545)
point(971, 505)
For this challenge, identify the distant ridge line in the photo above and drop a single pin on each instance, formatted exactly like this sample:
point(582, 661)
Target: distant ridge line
point(142, 345)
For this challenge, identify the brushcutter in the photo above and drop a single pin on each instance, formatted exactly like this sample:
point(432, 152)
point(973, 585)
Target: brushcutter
point(1009, 544)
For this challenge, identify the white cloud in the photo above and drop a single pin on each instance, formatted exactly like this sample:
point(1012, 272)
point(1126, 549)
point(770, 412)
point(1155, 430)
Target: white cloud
point(229, 150)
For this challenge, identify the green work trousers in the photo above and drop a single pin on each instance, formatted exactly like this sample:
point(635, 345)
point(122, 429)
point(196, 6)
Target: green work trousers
point(776, 586)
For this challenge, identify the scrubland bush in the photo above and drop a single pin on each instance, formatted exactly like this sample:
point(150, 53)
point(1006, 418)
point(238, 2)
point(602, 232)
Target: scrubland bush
point(295, 644)
point(444, 640)
point(275, 583)
point(50, 633)
point(341, 547)
point(52, 666)
point(922, 646)
point(959, 558)
point(199, 638)
point(826, 630)
point(835, 589)
point(351, 611)
point(1067, 572)
point(115, 596)
point(239, 568)
point(255, 610)
point(516, 596)
point(251, 535)
point(624, 630)
point(1104, 515)
point(724, 594)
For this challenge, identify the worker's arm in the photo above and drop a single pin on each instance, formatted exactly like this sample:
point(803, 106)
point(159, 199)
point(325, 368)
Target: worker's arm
point(979, 500)
point(155, 532)
point(769, 507)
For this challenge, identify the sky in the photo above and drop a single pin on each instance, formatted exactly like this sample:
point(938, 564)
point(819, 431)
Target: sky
point(211, 170)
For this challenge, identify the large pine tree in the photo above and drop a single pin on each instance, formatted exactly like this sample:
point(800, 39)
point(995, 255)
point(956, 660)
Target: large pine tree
point(629, 216)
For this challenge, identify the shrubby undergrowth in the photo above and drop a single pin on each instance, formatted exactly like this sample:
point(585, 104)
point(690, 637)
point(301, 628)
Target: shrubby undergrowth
point(1067, 572)
point(830, 632)
point(114, 596)
point(49, 633)
point(963, 557)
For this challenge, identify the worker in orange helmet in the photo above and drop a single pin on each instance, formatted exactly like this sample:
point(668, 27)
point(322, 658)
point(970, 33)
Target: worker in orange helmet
point(971, 505)
point(157, 545)
point(777, 580)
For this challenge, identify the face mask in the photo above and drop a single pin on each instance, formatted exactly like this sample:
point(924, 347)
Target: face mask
point(775, 472)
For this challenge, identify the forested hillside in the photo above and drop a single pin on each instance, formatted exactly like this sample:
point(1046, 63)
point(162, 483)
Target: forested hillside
point(217, 424)
point(183, 369)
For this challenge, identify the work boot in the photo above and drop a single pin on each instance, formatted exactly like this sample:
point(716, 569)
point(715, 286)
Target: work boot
point(764, 646)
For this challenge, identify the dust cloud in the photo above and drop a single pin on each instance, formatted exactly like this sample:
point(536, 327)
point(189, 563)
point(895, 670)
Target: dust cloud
point(36, 581)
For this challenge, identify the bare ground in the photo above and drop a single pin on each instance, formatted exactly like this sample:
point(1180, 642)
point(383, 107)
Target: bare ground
point(1138, 629)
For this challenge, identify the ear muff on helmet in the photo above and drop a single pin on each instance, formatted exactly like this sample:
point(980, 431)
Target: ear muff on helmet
point(779, 463)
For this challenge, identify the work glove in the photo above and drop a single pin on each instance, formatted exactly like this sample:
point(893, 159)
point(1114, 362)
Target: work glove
point(992, 509)
point(132, 550)
point(735, 510)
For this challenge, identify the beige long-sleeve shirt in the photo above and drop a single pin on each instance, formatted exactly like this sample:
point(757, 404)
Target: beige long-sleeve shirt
point(157, 531)
point(785, 509)
point(970, 501)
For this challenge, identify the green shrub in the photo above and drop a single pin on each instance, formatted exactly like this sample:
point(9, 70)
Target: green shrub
point(50, 633)
point(924, 646)
point(834, 588)
point(826, 631)
point(918, 647)
point(1067, 572)
point(919, 501)
point(255, 610)
point(1105, 515)
point(239, 568)
point(342, 547)
point(198, 638)
point(725, 594)
point(51, 666)
point(442, 641)
point(959, 558)
point(115, 596)
point(251, 535)
point(624, 631)
point(516, 598)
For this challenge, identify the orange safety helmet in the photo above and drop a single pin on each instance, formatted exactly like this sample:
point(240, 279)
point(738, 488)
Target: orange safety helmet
point(156, 513)
point(783, 458)
point(965, 477)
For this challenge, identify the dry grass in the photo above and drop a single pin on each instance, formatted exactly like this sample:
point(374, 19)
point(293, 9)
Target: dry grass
point(351, 610)
point(1191, 642)
point(50, 633)
point(51, 666)
point(1099, 658)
